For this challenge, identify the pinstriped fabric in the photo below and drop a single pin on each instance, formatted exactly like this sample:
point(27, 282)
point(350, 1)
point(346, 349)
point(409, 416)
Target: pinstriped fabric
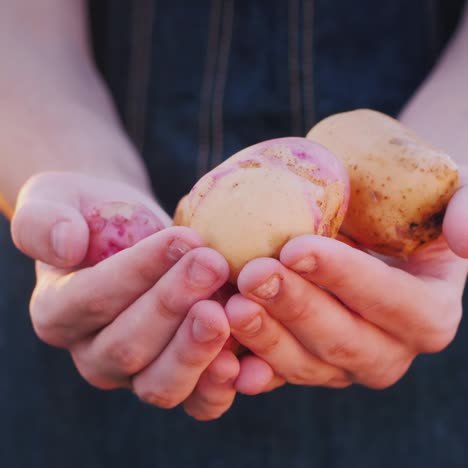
point(308, 65)
point(301, 66)
point(211, 137)
point(140, 68)
point(220, 83)
point(206, 88)
point(294, 68)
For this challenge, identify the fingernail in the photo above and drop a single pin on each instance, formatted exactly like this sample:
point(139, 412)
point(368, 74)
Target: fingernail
point(253, 326)
point(269, 289)
point(177, 249)
point(200, 275)
point(305, 265)
point(59, 237)
point(203, 332)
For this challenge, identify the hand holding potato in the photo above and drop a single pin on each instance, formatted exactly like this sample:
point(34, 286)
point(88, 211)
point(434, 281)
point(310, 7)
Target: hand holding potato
point(140, 318)
point(326, 312)
point(330, 314)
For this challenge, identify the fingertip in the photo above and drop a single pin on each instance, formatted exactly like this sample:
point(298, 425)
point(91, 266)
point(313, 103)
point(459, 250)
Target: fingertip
point(455, 224)
point(256, 272)
point(213, 260)
point(210, 400)
point(209, 321)
point(255, 376)
point(302, 246)
point(189, 235)
point(308, 254)
point(240, 311)
point(224, 368)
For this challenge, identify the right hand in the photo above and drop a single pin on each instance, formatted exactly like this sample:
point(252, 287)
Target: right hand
point(141, 319)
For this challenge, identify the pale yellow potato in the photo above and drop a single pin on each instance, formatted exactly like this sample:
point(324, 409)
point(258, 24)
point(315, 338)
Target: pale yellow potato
point(400, 184)
point(254, 202)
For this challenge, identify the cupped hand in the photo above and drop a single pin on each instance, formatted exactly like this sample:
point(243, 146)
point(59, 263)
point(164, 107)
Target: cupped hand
point(330, 314)
point(141, 319)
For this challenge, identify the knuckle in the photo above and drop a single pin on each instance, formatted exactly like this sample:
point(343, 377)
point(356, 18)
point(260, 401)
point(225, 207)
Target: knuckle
point(191, 360)
point(437, 342)
point(42, 322)
point(211, 402)
point(384, 381)
point(305, 375)
point(312, 374)
point(159, 398)
point(93, 377)
point(205, 408)
point(389, 376)
point(301, 311)
point(168, 304)
point(97, 308)
point(267, 345)
point(98, 381)
point(97, 311)
point(42, 328)
point(48, 323)
point(124, 357)
point(296, 377)
point(343, 355)
point(145, 271)
point(205, 414)
point(442, 329)
point(338, 383)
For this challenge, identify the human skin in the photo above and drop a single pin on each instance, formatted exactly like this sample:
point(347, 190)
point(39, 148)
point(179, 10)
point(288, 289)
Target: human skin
point(359, 331)
point(294, 343)
point(64, 149)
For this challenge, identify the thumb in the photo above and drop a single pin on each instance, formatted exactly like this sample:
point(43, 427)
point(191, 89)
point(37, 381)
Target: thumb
point(455, 225)
point(52, 231)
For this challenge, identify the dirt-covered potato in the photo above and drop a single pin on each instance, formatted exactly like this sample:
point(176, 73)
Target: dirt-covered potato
point(255, 201)
point(400, 184)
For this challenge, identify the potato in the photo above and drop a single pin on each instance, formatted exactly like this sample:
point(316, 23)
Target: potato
point(255, 201)
point(400, 184)
point(115, 226)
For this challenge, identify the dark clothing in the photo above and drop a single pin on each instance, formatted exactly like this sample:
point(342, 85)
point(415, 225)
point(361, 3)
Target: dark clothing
point(195, 82)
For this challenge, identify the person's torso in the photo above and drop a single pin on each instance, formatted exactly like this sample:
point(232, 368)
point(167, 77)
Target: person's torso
point(197, 81)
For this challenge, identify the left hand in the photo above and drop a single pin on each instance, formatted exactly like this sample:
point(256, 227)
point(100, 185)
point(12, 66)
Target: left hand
point(330, 314)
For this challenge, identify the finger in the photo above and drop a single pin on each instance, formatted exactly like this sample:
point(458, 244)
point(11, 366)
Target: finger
point(170, 379)
point(322, 324)
point(403, 305)
point(224, 368)
point(67, 308)
point(140, 333)
point(214, 393)
point(274, 343)
point(50, 231)
point(48, 224)
point(256, 376)
point(455, 225)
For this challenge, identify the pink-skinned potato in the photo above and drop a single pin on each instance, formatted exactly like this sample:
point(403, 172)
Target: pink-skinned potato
point(115, 226)
point(400, 184)
point(254, 202)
